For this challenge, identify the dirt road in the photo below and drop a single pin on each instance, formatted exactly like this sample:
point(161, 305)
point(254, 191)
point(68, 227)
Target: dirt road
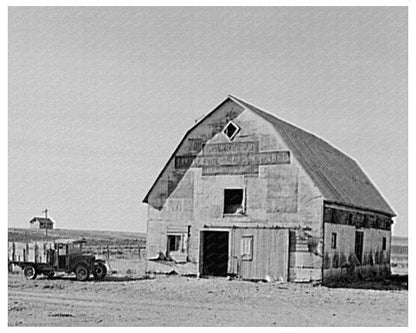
point(181, 301)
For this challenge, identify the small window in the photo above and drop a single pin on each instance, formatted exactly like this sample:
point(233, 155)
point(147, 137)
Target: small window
point(334, 240)
point(62, 249)
point(76, 247)
point(233, 201)
point(247, 248)
point(174, 243)
point(384, 244)
point(231, 130)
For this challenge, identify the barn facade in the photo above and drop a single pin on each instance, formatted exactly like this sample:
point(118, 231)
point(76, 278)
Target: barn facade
point(249, 195)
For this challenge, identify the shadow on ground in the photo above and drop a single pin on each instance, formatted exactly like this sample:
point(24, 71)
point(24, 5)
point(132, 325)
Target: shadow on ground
point(393, 282)
point(115, 278)
point(108, 278)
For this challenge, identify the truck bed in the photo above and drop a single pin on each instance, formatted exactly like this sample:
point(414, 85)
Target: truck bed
point(33, 252)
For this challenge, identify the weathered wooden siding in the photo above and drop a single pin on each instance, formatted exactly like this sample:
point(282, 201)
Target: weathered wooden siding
point(340, 261)
point(29, 252)
point(277, 195)
point(270, 254)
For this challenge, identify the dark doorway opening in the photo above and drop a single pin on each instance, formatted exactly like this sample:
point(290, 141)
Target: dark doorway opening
point(359, 242)
point(62, 255)
point(214, 253)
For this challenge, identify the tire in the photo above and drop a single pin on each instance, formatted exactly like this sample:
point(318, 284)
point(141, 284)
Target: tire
point(30, 272)
point(100, 271)
point(82, 273)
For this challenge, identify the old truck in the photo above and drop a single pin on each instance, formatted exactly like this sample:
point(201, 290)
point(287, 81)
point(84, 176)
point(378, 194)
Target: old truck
point(60, 256)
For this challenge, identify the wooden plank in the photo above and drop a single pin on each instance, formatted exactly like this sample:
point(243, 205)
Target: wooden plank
point(270, 255)
point(33, 252)
point(282, 250)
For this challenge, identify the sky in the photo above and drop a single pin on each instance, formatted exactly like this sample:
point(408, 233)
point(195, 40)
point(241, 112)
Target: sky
point(99, 97)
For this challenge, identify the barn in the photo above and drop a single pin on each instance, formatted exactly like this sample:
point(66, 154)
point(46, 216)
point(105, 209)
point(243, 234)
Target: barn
point(249, 195)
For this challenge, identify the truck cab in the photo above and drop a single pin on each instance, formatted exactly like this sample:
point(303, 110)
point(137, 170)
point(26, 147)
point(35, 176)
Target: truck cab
point(69, 256)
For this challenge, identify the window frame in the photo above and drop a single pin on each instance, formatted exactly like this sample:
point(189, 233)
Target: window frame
point(246, 256)
point(237, 129)
point(181, 248)
point(243, 202)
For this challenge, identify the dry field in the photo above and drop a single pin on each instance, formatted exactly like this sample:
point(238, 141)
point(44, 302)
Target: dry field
point(399, 255)
point(126, 299)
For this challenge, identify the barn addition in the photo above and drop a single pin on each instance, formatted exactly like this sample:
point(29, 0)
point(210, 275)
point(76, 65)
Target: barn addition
point(247, 194)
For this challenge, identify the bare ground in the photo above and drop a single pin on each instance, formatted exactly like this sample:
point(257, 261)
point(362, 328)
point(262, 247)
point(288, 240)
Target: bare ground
point(182, 301)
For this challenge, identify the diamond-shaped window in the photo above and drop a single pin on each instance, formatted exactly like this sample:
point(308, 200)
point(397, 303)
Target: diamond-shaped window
point(231, 130)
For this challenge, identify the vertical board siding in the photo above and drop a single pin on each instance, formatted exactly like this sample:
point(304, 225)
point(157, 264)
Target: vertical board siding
point(375, 261)
point(36, 252)
point(270, 255)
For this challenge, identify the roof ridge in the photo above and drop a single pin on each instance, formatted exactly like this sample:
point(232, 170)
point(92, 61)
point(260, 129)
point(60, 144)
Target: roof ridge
point(335, 179)
point(297, 128)
point(42, 217)
point(288, 123)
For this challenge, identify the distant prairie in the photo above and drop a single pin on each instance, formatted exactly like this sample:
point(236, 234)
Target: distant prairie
point(93, 237)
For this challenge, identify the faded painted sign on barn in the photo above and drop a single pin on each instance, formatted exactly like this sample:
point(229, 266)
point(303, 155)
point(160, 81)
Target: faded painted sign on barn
point(231, 158)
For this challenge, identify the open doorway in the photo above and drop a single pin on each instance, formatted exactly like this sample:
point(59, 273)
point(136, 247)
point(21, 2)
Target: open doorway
point(359, 243)
point(214, 253)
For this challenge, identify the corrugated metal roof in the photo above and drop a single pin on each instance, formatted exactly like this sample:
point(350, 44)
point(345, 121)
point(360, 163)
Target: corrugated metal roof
point(339, 178)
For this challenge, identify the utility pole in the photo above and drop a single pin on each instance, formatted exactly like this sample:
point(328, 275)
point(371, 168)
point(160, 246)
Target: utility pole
point(46, 216)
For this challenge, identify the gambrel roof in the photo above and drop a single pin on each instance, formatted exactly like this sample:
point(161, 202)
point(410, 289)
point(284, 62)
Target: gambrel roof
point(338, 177)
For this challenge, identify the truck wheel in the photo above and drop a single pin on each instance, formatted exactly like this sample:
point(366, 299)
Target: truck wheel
point(100, 271)
point(82, 273)
point(30, 272)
